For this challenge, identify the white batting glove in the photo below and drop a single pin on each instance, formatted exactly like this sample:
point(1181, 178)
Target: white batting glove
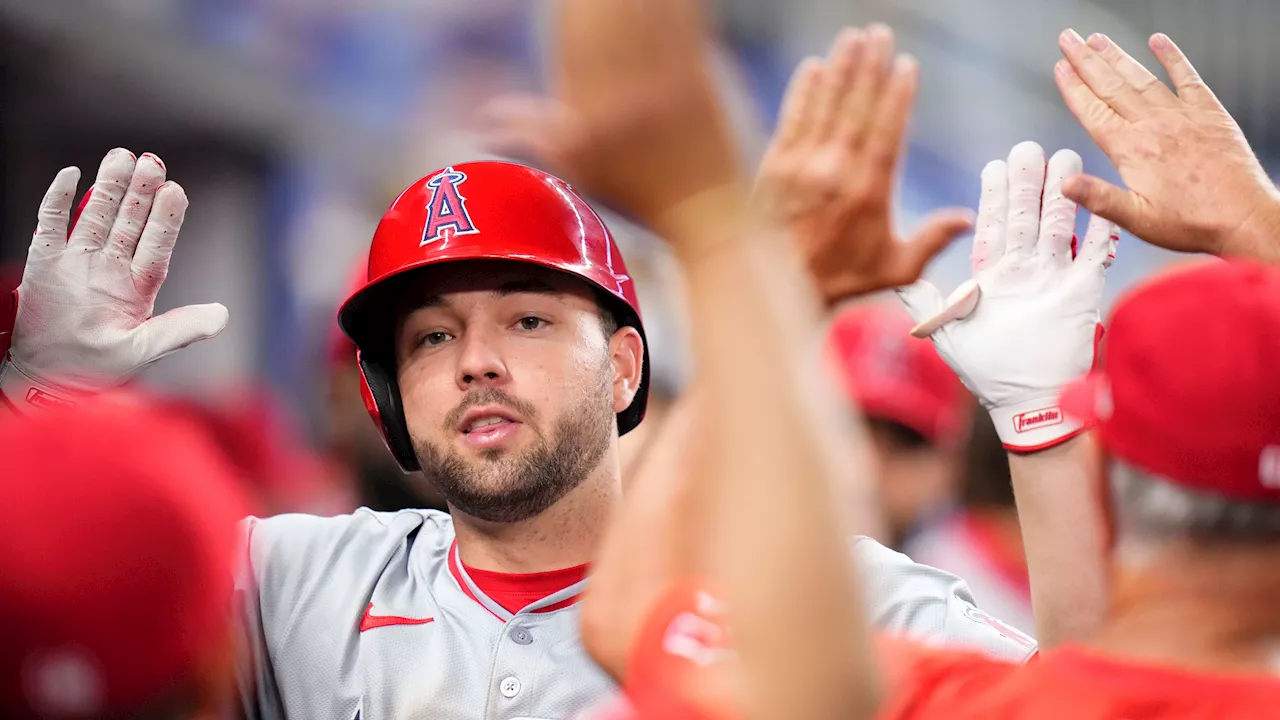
point(84, 306)
point(1028, 321)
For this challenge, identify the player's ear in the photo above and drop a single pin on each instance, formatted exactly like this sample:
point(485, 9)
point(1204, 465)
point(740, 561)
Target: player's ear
point(626, 355)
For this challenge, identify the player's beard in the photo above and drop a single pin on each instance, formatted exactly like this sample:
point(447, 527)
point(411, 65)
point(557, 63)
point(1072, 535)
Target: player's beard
point(507, 487)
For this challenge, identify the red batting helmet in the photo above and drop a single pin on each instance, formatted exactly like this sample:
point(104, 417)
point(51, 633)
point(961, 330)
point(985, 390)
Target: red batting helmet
point(479, 211)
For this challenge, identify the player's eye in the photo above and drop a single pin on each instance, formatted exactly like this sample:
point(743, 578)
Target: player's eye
point(438, 337)
point(531, 323)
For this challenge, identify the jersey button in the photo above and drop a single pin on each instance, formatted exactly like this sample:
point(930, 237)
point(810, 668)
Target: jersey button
point(510, 687)
point(521, 636)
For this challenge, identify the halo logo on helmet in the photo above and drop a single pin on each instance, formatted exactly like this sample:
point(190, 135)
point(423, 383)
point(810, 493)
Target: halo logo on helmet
point(447, 214)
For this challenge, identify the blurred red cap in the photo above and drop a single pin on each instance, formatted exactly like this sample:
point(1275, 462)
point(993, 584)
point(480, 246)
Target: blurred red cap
point(895, 377)
point(342, 352)
point(1187, 386)
point(281, 473)
point(117, 537)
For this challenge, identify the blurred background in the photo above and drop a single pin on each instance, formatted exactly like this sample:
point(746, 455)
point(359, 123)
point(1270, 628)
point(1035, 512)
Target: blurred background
point(293, 123)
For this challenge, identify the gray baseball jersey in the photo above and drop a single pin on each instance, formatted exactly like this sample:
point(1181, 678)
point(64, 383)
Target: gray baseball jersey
point(371, 615)
point(953, 546)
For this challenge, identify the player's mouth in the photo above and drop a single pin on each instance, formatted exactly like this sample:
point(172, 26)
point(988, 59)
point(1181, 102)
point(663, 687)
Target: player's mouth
point(487, 427)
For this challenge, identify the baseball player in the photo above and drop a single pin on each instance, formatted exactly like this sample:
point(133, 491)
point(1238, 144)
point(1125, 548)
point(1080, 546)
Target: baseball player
point(502, 355)
point(115, 560)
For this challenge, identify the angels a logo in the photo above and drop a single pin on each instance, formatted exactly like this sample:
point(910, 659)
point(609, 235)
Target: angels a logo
point(447, 214)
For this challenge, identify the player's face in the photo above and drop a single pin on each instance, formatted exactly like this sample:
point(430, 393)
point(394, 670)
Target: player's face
point(508, 383)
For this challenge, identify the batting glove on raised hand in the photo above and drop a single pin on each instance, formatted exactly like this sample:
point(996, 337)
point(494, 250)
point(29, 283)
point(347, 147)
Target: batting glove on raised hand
point(1028, 321)
point(84, 307)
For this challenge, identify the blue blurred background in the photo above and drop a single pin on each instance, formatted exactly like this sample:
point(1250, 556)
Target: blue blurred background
point(292, 124)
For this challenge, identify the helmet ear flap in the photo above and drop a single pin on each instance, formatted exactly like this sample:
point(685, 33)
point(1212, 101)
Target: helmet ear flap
point(381, 395)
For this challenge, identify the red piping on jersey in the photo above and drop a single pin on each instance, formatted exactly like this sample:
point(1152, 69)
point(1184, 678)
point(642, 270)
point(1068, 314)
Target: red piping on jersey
point(370, 621)
point(514, 591)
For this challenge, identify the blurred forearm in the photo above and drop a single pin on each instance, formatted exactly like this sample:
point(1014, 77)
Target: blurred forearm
point(773, 433)
point(653, 541)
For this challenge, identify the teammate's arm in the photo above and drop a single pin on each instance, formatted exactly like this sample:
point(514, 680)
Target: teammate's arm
point(1031, 317)
point(636, 74)
point(1194, 183)
point(652, 543)
point(1062, 533)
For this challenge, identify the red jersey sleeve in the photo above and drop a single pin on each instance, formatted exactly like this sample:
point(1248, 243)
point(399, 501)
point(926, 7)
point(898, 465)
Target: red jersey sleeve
point(931, 684)
point(678, 667)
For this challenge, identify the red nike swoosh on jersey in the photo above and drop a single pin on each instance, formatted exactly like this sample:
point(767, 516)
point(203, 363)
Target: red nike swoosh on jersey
point(371, 621)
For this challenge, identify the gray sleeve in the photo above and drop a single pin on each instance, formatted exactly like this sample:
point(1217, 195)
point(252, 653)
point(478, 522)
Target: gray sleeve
point(931, 606)
point(255, 676)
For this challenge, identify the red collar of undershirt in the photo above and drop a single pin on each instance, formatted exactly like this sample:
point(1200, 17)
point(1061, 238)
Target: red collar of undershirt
point(514, 591)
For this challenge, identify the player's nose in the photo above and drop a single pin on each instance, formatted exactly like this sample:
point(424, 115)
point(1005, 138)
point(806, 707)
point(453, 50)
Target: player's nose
point(480, 362)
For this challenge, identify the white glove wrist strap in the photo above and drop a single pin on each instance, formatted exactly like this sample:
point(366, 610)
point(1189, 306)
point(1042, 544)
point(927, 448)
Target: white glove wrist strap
point(25, 394)
point(1036, 424)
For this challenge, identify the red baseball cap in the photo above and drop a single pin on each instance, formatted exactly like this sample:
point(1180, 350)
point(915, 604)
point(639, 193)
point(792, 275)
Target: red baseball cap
point(342, 351)
point(1187, 386)
point(896, 377)
point(117, 537)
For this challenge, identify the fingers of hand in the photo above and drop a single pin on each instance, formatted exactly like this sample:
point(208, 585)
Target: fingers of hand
point(844, 61)
point(993, 213)
point(607, 50)
point(1132, 72)
point(171, 331)
point(99, 214)
point(888, 129)
point(959, 305)
point(1186, 80)
point(533, 128)
point(1097, 118)
point(1103, 79)
point(54, 215)
point(921, 299)
point(796, 115)
point(857, 111)
point(1026, 189)
point(1102, 198)
point(1099, 246)
point(1058, 213)
point(151, 260)
point(148, 176)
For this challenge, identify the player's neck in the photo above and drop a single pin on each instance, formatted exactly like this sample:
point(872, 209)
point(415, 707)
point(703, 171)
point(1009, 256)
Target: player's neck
point(566, 534)
point(1198, 609)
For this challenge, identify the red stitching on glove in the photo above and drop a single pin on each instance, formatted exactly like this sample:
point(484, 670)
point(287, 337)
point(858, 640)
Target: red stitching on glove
point(1044, 446)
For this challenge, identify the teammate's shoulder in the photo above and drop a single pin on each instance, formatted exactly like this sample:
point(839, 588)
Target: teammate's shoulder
point(361, 520)
point(898, 573)
point(364, 527)
point(932, 605)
